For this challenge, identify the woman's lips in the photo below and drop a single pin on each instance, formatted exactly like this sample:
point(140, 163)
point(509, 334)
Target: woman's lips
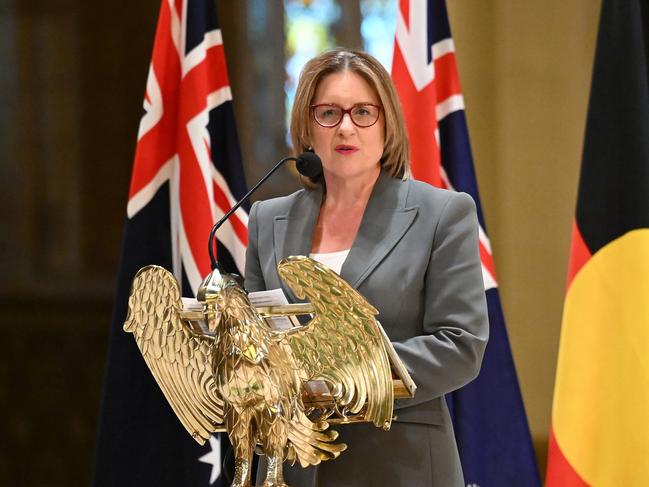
point(346, 149)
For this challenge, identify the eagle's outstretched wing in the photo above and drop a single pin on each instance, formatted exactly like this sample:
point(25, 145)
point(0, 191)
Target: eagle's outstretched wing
point(342, 344)
point(179, 358)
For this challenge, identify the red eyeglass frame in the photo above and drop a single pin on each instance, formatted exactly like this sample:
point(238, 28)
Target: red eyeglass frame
point(344, 112)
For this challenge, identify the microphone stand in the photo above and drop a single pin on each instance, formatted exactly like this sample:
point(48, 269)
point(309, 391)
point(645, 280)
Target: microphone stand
point(217, 225)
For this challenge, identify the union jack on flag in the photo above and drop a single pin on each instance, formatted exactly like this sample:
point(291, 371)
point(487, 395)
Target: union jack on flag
point(187, 173)
point(488, 414)
point(187, 137)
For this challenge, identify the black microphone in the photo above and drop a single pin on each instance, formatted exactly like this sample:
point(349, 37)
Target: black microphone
point(307, 163)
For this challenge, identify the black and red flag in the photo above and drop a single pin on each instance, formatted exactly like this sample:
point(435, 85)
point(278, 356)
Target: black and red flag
point(600, 414)
point(187, 173)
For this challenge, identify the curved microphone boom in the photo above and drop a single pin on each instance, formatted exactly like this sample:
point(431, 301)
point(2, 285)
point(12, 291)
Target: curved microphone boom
point(307, 163)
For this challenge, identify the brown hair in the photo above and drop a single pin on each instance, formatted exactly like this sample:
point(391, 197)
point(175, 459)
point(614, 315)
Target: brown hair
point(395, 158)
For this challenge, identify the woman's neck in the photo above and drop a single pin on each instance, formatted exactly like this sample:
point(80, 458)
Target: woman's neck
point(347, 193)
point(342, 210)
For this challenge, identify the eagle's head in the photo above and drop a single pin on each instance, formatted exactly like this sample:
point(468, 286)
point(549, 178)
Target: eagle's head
point(219, 291)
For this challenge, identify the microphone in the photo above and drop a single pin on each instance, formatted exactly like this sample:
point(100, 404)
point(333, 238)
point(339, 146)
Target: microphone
point(308, 164)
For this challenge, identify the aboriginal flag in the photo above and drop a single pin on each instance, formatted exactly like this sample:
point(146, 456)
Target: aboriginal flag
point(187, 173)
point(600, 414)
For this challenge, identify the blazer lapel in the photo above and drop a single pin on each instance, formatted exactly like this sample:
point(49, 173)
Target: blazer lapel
point(385, 221)
point(293, 232)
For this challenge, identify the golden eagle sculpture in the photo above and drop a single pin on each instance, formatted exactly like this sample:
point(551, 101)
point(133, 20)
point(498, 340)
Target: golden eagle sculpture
point(236, 373)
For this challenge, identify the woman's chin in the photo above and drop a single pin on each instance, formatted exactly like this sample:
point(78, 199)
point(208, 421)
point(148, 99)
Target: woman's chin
point(349, 173)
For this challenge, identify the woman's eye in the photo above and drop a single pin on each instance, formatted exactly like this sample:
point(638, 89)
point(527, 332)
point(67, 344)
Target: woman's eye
point(361, 111)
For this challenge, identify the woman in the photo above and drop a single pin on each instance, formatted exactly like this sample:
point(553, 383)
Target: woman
point(409, 248)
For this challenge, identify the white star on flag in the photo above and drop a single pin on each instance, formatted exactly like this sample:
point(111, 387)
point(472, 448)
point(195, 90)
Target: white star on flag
point(213, 458)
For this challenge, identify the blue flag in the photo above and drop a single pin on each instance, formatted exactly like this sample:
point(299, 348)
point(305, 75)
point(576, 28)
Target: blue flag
point(488, 414)
point(187, 173)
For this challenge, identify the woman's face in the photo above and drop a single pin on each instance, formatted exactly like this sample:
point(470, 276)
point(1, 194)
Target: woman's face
point(347, 151)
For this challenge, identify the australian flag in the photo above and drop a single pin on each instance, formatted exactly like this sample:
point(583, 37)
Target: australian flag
point(186, 175)
point(488, 414)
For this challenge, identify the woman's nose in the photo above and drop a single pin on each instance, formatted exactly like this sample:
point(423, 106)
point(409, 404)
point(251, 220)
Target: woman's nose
point(346, 124)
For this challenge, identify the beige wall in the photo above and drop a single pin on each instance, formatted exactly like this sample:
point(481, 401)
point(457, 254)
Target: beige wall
point(525, 68)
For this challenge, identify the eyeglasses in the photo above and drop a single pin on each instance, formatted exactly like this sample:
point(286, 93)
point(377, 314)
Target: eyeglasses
point(362, 115)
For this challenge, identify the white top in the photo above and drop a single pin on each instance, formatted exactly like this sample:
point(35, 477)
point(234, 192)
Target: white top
point(333, 260)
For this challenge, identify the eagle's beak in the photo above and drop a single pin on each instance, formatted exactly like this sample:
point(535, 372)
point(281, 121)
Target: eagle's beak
point(213, 317)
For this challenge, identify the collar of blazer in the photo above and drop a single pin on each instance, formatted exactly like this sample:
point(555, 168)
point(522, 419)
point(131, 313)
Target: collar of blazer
point(385, 221)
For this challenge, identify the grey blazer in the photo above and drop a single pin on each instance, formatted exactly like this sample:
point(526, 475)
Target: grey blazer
point(415, 258)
